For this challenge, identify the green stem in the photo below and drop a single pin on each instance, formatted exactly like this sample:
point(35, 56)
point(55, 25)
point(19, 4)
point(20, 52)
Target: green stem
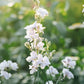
point(0, 80)
point(59, 79)
point(38, 77)
point(34, 79)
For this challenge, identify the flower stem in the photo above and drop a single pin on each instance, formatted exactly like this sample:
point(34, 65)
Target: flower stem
point(38, 77)
point(59, 79)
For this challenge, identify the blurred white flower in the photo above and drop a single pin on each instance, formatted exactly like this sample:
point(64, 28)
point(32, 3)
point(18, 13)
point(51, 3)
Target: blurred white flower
point(11, 4)
point(49, 82)
point(76, 26)
point(67, 73)
point(5, 74)
point(52, 71)
point(12, 65)
point(7, 65)
point(41, 12)
point(32, 26)
point(3, 65)
point(69, 63)
point(83, 5)
point(54, 23)
point(38, 1)
point(83, 10)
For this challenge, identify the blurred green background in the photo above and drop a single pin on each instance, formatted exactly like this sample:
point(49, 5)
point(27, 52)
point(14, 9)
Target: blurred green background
point(16, 14)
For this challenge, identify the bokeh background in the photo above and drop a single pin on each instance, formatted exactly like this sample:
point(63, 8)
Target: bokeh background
point(64, 28)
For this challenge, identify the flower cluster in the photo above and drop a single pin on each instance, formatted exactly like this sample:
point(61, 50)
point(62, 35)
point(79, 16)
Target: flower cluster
point(7, 65)
point(37, 61)
point(39, 47)
point(68, 62)
point(35, 43)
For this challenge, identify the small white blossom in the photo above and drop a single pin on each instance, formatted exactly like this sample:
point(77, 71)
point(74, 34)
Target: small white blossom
point(39, 28)
point(12, 65)
point(3, 65)
point(31, 34)
point(52, 71)
point(33, 69)
point(32, 26)
point(69, 63)
point(45, 62)
point(40, 46)
point(37, 45)
point(5, 74)
point(40, 59)
point(41, 12)
point(32, 57)
point(67, 73)
point(49, 82)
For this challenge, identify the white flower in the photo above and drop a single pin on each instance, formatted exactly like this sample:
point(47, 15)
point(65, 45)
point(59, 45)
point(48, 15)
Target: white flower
point(3, 65)
point(45, 62)
point(33, 69)
point(40, 59)
point(69, 63)
point(39, 28)
point(32, 26)
point(7, 65)
point(76, 26)
point(37, 44)
point(40, 46)
point(31, 34)
point(5, 74)
point(33, 30)
point(12, 65)
point(32, 57)
point(49, 82)
point(29, 59)
point(67, 73)
point(52, 71)
point(41, 12)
